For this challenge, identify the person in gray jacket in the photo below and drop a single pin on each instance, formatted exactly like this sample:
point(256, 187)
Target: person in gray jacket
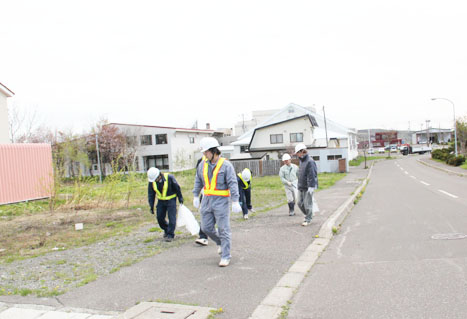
point(307, 182)
point(216, 176)
point(289, 177)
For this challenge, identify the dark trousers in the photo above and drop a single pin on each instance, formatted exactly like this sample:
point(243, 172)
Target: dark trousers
point(164, 208)
point(248, 197)
point(243, 201)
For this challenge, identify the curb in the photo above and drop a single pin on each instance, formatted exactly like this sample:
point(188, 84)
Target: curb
point(278, 299)
point(442, 169)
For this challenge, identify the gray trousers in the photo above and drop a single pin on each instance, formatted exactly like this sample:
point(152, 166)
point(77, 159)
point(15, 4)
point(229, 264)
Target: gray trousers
point(305, 203)
point(216, 211)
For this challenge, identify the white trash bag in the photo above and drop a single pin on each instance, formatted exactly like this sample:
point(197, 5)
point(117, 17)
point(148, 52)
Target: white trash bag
point(315, 207)
point(185, 218)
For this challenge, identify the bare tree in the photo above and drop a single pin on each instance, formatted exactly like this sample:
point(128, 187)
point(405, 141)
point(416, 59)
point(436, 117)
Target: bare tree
point(23, 124)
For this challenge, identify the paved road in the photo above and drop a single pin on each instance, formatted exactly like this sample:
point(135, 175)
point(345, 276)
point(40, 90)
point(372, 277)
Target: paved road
point(385, 262)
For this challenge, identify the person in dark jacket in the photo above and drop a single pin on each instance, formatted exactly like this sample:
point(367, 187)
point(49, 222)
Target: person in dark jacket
point(242, 192)
point(307, 182)
point(166, 189)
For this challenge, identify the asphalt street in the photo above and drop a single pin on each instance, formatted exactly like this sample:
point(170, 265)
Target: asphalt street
point(401, 252)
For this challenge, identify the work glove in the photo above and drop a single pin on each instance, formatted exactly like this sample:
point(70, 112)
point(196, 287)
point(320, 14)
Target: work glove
point(152, 211)
point(289, 183)
point(180, 201)
point(196, 201)
point(236, 208)
point(310, 190)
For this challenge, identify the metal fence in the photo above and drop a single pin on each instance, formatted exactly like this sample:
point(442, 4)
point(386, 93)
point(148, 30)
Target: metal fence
point(25, 172)
point(258, 168)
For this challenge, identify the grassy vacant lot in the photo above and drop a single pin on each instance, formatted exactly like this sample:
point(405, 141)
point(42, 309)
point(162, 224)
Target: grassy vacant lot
point(116, 207)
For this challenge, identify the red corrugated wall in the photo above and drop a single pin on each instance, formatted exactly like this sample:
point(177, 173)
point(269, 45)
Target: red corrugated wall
point(26, 172)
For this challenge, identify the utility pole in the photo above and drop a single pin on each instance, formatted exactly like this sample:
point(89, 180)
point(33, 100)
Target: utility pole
point(325, 127)
point(98, 160)
point(427, 133)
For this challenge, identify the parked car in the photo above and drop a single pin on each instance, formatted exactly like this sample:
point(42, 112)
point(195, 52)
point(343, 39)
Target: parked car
point(393, 149)
point(371, 151)
point(381, 150)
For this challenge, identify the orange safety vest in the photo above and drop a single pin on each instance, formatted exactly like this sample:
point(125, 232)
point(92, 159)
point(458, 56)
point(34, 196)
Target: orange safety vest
point(210, 188)
point(163, 196)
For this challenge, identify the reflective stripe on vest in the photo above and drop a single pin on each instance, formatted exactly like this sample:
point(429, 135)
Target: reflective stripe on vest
point(245, 184)
point(164, 189)
point(210, 189)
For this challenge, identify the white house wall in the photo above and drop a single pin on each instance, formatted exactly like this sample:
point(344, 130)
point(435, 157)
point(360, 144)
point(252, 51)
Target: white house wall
point(300, 125)
point(4, 131)
point(329, 166)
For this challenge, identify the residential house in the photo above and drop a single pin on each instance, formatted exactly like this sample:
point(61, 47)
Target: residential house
point(4, 127)
point(433, 135)
point(327, 141)
point(167, 148)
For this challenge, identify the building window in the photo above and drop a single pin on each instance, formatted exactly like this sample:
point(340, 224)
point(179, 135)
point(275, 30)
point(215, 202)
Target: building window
point(146, 139)
point(296, 137)
point(159, 161)
point(192, 140)
point(334, 157)
point(161, 138)
point(243, 149)
point(315, 158)
point(276, 138)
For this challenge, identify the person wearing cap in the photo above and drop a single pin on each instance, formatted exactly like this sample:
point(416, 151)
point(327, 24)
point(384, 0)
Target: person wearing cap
point(166, 189)
point(307, 182)
point(243, 179)
point(289, 177)
point(246, 178)
point(216, 177)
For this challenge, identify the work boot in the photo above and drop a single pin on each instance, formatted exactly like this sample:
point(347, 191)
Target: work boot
point(291, 208)
point(169, 239)
point(224, 262)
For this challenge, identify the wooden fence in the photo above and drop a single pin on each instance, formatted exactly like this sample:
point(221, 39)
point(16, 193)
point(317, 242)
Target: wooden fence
point(259, 168)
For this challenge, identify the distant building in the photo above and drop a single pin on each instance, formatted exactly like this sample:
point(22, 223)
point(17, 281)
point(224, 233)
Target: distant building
point(4, 126)
point(327, 141)
point(433, 135)
point(167, 148)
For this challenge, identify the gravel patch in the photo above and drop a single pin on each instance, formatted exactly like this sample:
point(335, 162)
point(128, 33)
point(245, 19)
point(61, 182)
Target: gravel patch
point(61, 270)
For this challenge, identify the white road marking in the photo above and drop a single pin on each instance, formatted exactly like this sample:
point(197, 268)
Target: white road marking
point(424, 183)
point(406, 172)
point(446, 193)
point(413, 177)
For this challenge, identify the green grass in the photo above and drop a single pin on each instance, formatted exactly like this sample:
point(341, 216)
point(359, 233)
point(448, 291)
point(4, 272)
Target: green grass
point(357, 161)
point(464, 166)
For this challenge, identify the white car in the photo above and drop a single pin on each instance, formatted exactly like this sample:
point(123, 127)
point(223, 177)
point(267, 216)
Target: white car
point(371, 151)
point(381, 150)
point(393, 149)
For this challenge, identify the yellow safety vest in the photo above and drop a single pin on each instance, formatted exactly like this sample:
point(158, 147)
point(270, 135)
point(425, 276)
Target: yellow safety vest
point(246, 185)
point(210, 189)
point(163, 196)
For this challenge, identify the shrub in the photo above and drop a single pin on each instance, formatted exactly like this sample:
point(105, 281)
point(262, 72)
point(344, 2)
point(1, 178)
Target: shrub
point(456, 160)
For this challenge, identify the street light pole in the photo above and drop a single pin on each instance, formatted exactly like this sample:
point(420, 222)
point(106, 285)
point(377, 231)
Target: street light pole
point(455, 123)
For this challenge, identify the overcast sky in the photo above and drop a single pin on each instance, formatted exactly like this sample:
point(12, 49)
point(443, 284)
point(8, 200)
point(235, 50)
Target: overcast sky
point(372, 64)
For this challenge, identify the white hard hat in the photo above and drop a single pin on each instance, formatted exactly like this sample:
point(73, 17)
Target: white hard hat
point(246, 174)
point(207, 143)
point(299, 147)
point(286, 157)
point(153, 173)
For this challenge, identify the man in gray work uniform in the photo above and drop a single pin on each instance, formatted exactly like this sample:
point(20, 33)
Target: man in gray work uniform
point(216, 176)
point(307, 182)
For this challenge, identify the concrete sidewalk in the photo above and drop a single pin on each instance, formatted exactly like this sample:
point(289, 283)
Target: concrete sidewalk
point(270, 252)
point(455, 170)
